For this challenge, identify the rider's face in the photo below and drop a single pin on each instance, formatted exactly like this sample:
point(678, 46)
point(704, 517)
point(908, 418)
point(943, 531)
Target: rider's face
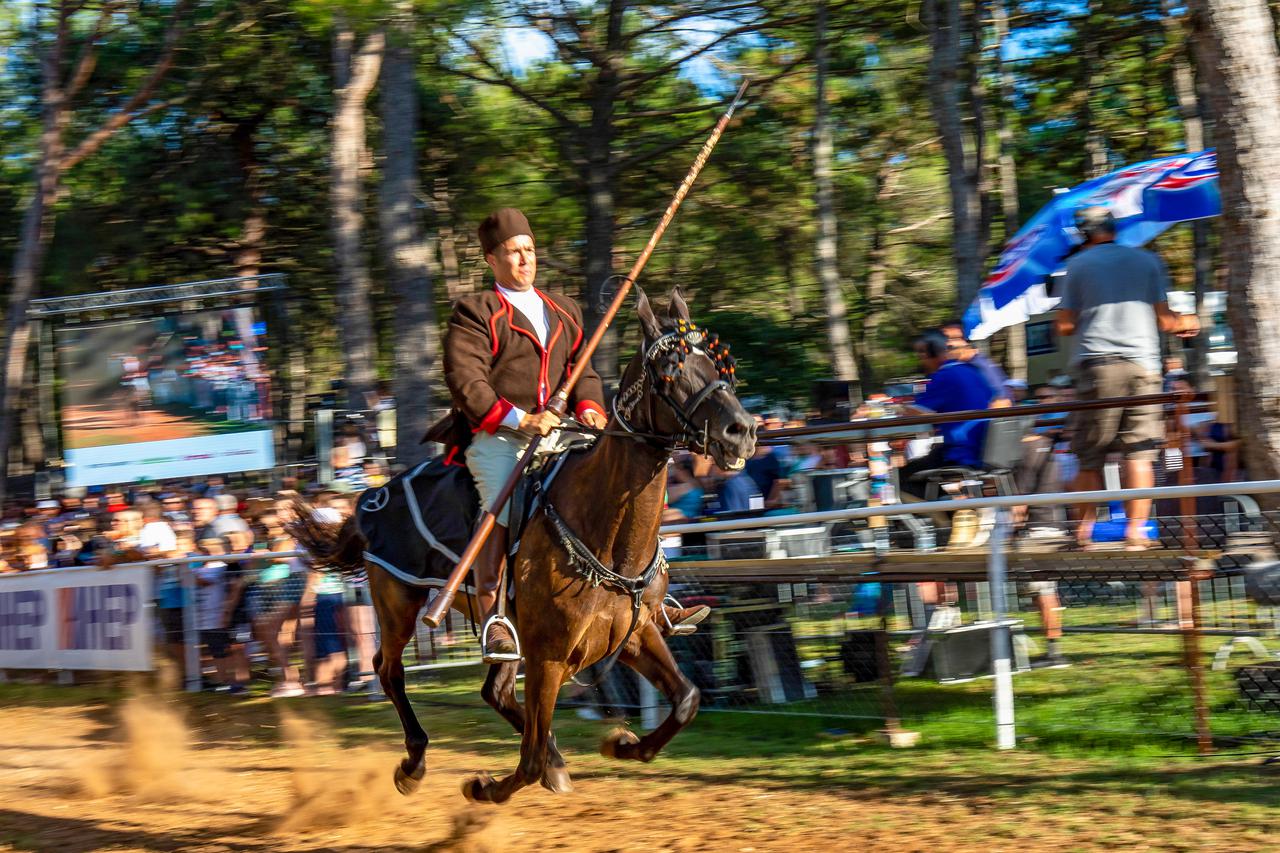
point(514, 262)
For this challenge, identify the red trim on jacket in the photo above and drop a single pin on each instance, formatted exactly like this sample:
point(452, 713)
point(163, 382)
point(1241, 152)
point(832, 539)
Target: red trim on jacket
point(493, 418)
point(577, 341)
point(587, 405)
point(493, 332)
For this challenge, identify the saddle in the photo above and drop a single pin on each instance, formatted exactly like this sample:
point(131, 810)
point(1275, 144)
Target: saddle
point(419, 523)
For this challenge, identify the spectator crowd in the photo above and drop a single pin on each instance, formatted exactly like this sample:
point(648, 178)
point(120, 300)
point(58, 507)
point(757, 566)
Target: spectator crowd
point(304, 621)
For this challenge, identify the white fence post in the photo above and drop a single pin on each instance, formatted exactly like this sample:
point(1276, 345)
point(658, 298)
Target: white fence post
point(190, 636)
point(1001, 647)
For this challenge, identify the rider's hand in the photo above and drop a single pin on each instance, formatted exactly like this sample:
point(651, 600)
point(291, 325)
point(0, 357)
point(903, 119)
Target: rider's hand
point(593, 419)
point(539, 423)
point(1190, 326)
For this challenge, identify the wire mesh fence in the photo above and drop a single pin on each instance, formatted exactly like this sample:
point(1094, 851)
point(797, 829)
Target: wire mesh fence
point(862, 623)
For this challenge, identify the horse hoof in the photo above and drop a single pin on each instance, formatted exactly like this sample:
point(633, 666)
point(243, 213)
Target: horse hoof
point(476, 789)
point(407, 783)
point(616, 740)
point(557, 781)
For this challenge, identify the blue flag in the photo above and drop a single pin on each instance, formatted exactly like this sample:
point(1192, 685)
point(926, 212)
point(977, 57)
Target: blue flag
point(1145, 198)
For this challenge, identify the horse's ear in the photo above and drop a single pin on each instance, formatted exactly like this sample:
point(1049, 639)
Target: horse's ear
point(648, 322)
point(676, 307)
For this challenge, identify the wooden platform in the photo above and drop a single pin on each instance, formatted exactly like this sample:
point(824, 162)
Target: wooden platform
point(1029, 563)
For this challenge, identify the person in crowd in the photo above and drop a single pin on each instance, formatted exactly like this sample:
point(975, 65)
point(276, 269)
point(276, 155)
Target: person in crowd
point(30, 552)
point(175, 508)
point(236, 614)
point(954, 385)
point(171, 597)
point(685, 490)
point(276, 594)
point(211, 597)
point(156, 538)
point(1115, 305)
point(962, 349)
point(203, 513)
point(1019, 391)
point(228, 519)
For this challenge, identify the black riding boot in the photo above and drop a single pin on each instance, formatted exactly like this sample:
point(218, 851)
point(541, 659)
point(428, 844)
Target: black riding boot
point(498, 644)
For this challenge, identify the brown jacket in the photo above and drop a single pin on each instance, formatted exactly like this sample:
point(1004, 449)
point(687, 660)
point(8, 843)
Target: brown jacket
point(494, 361)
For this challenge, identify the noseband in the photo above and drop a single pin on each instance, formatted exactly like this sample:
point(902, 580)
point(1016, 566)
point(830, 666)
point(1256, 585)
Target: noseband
point(661, 364)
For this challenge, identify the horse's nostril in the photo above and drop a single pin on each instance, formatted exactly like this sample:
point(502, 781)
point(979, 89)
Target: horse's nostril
point(735, 430)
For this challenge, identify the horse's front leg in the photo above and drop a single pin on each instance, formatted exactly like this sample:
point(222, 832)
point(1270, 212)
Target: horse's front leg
point(500, 692)
point(542, 682)
point(653, 660)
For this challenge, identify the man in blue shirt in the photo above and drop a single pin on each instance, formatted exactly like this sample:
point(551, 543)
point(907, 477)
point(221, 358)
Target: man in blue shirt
point(954, 386)
point(962, 349)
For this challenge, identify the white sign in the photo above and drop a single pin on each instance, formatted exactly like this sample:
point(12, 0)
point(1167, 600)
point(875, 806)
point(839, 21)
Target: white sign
point(76, 619)
point(175, 457)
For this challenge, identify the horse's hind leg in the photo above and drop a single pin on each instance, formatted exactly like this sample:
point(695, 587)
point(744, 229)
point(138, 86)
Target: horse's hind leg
point(653, 660)
point(500, 692)
point(397, 607)
point(541, 685)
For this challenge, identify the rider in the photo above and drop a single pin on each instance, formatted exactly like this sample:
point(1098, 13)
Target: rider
point(506, 352)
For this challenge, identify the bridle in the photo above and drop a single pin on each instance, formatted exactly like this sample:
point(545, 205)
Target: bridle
point(661, 364)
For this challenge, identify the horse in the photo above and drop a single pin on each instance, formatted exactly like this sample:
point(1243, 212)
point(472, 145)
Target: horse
point(589, 574)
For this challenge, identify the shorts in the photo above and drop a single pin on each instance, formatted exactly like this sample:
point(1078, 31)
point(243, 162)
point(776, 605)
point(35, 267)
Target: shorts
point(327, 626)
point(171, 624)
point(217, 641)
point(493, 456)
point(1136, 431)
point(1042, 587)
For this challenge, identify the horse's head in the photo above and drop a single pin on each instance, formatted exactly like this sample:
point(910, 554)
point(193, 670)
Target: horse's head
point(680, 387)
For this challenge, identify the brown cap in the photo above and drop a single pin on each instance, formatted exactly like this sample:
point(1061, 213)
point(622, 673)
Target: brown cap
point(500, 226)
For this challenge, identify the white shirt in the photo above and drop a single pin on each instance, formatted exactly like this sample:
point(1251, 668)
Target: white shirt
point(530, 304)
point(157, 536)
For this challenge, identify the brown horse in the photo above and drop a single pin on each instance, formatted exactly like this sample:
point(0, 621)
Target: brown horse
point(584, 558)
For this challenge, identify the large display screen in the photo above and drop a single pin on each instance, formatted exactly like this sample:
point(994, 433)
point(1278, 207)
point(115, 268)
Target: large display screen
point(175, 396)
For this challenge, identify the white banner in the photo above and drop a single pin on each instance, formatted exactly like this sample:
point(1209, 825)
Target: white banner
point(76, 619)
point(175, 457)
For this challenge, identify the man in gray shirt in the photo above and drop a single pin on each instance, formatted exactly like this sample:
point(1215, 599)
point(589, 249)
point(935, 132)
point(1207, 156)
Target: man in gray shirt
point(1114, 302)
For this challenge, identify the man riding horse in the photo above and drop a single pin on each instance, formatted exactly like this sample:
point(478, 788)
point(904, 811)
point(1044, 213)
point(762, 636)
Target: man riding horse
point(505, 353)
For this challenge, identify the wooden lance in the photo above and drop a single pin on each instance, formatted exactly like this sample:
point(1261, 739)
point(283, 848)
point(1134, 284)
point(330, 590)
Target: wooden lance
point(560, 401)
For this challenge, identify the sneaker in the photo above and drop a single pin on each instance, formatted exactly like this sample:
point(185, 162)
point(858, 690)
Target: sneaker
point(1051, 662)
point(287, 691)
point(237, 690)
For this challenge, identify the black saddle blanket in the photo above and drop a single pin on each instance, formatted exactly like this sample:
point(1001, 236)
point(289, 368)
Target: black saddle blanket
point(419, 523)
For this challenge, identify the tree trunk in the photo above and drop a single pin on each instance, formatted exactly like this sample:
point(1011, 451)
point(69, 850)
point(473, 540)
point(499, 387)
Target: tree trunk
point(946, 26)
point(450, 270)
point(1016, 335)
point(1094, 142)
point(253, 231)
point(28, 261)
point(1184, 86)
point(1235, 44)
point(600, 235)
point(407, 252)
point(354, 78)
point(787, 256)
point(843, 365)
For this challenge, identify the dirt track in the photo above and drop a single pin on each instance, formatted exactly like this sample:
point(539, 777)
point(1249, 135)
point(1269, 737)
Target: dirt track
point(149, 778)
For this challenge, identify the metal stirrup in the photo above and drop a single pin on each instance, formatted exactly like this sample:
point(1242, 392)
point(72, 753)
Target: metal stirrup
point(498, 619)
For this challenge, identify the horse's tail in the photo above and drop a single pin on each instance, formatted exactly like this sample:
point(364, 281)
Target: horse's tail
point(330, 543)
